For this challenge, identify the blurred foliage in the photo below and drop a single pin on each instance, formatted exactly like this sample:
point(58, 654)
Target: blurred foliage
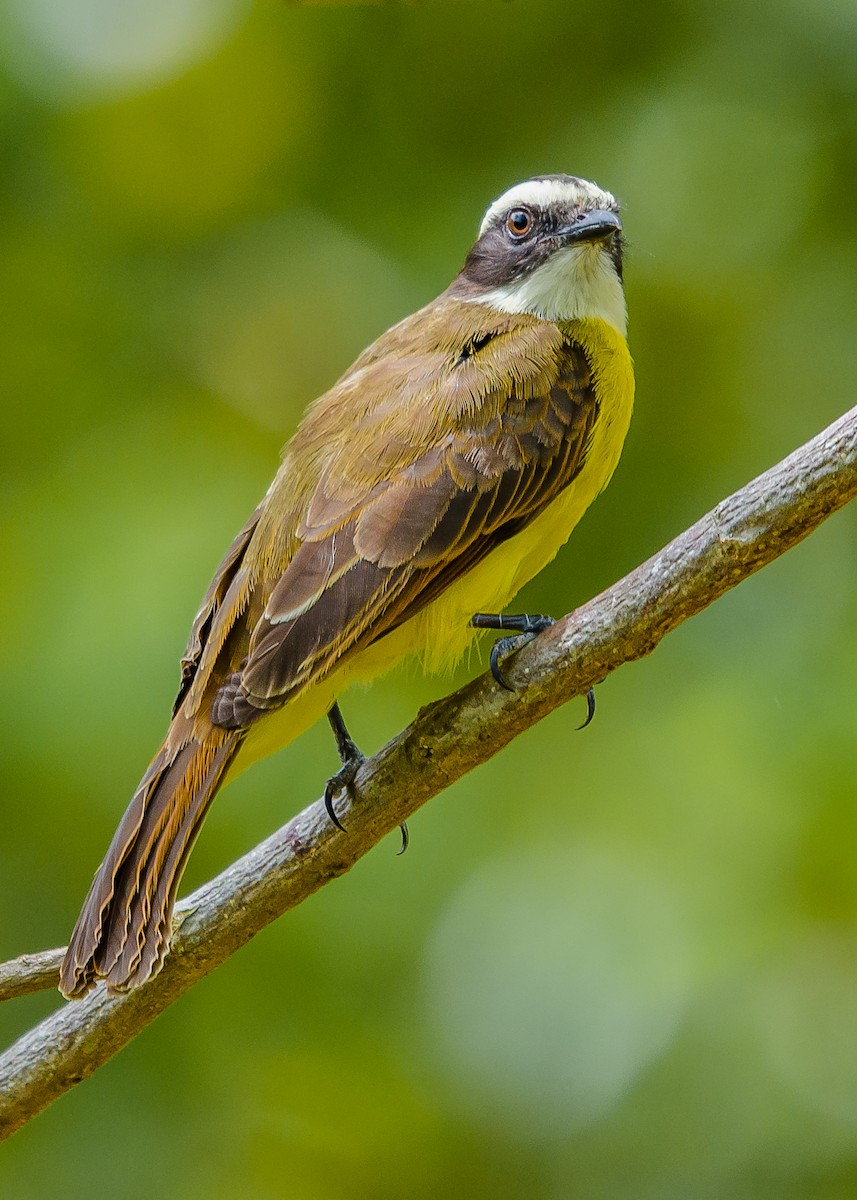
point(620, 965)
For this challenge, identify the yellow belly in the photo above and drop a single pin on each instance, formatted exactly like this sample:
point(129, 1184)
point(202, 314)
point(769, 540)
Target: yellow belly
point(441, 632)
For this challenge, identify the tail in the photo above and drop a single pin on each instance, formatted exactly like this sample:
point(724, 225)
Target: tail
point(123, 932)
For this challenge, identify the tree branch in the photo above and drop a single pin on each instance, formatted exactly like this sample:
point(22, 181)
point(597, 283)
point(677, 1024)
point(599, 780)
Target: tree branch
point(30, 973)
point(447, 739)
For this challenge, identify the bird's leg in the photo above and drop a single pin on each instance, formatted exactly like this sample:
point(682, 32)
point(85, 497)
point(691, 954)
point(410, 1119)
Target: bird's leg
point(351, 758)
point(526, 626)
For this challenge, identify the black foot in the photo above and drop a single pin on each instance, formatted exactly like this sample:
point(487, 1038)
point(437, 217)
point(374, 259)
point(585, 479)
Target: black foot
point(352, 759)
point(527, 626)
point(341, 782)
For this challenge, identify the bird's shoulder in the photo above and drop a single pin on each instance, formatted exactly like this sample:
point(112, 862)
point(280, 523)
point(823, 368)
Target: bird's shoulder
point(451, 366)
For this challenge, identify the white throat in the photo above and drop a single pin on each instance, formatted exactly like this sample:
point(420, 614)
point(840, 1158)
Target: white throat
point(579, 281)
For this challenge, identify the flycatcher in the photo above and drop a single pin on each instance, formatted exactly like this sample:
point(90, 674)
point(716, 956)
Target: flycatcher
point(441, 472)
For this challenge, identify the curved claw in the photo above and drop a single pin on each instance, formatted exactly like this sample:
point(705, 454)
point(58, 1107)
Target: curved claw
point(328, 803)
point(590, 707)
point(406, 837)
point(501, 647)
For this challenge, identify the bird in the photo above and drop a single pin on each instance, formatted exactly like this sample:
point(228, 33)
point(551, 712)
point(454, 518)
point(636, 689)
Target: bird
point(443, 470)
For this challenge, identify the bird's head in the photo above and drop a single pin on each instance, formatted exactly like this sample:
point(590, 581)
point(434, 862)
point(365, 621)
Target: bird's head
point(552, 247)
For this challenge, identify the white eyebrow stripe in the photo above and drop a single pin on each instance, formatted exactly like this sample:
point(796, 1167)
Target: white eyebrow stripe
point(541, 193)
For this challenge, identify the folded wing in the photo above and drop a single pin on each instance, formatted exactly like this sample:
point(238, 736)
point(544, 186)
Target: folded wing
point(363, 567)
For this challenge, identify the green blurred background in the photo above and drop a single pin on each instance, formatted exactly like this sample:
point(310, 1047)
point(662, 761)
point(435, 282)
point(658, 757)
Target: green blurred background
point(618, 965)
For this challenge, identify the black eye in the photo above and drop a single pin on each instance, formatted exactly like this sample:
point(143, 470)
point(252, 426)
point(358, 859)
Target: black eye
point(519, 222)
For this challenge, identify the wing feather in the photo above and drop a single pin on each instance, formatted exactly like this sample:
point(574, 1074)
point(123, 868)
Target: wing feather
point(364, 568)
point(214, 606)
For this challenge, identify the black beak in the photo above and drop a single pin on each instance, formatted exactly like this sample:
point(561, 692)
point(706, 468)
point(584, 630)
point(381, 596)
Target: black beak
point(596, 226)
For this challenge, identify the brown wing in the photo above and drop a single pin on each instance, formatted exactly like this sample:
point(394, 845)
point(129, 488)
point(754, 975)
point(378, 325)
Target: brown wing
point(362, 569)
